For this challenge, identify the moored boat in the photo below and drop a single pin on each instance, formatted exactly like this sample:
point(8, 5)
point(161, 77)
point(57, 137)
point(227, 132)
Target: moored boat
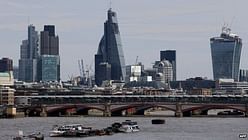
point(129, 126)
point(69, 130)
point(34, 136)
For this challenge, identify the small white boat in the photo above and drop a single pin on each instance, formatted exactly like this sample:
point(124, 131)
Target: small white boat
point(67, 130)
point(129, 126)
point(34, 136)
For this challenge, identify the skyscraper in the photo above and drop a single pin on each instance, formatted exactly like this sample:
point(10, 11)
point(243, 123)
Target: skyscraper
point(29, 53)
point(110, 51)
point(226, 51)
point(49, 42)
point(49, 55)
point(170, 55)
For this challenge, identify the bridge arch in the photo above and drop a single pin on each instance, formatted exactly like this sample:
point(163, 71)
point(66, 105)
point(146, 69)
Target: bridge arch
point(138, 109)
point(206, 108)
point(70, 109)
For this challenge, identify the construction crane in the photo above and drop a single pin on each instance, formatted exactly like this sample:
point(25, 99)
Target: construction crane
point(81, 68)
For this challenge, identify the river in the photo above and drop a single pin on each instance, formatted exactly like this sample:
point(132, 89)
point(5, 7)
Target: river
point(190, 128)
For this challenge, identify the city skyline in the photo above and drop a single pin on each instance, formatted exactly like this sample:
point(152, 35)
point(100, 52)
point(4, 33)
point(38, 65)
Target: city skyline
point(152, 27)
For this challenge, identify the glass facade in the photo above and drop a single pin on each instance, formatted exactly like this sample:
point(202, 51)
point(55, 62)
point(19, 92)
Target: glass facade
point(48, 68)
point(29, 54)
point(110, 50)
point(226, 51)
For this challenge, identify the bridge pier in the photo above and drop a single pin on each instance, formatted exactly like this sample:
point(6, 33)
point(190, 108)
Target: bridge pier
point(246, 110)
point(107, 111)
point(178, 112)
point(43, 112)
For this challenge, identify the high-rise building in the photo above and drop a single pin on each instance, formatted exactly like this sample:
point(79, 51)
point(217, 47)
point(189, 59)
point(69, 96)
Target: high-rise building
point(226, 52)
point(48, 68)
point(243, 75)
point(49, 55)
point(49, 41)
point(164, 71)
point(29, 53)
point(110, 51)
point(6, 65)
point(170, 55)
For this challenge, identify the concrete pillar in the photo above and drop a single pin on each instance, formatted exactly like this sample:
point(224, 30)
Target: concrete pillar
point(107, 111)
point(178, 112)
point(43, 112)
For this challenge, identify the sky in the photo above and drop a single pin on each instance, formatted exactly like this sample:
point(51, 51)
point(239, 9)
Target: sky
point(146, 26)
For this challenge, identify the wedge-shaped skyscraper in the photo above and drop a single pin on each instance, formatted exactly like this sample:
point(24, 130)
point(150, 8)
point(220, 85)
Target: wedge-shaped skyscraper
point(226, 51)
point(110, 52)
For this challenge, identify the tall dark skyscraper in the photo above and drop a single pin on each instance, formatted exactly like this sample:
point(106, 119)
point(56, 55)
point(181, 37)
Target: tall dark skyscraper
point(170, 55)
point(49, 42)
point(110, 52)
point(49, 60)
point(226, 52)
point(29, 53)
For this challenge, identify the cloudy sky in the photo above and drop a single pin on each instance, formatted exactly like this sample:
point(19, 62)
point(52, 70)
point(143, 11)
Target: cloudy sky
point(146, 26)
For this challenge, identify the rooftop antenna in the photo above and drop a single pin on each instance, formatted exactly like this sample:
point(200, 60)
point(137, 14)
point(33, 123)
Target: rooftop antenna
point(110, 4)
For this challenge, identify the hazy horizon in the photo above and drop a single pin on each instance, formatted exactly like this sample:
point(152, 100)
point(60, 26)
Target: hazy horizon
point(146, 28)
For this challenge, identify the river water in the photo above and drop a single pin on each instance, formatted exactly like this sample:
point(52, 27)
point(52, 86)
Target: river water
point(192, 128)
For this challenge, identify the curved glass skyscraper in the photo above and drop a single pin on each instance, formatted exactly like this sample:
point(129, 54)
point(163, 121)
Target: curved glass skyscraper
point(109, 60)
point(226, 51)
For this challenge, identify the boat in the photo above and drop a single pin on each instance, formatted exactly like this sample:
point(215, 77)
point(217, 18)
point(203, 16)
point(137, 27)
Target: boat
point(158, 121)
point(129, 126)
point(34, 136)
point(69, 130)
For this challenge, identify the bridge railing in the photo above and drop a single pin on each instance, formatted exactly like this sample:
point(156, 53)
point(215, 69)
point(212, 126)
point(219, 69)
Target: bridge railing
point(136, 99)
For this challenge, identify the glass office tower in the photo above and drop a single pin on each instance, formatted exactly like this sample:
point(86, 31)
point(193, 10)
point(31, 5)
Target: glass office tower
point(110, 52)
point(226, 51)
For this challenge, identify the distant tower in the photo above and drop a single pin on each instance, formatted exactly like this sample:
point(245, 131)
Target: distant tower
point(49, 62)
point(6, 65)
point(164, 71)
point(226, 51)
point(170, 55)
point(29, 53)
point(110, 52)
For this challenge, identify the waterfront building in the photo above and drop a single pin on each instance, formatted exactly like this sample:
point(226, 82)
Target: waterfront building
point(29, 53)
point(170, 55)
point(193, 83)
point(226, 52)
point(229, 86)
point(49, 60)
point(200, 91)
point(6, 80)
point(110, 51)
point(6, 96)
